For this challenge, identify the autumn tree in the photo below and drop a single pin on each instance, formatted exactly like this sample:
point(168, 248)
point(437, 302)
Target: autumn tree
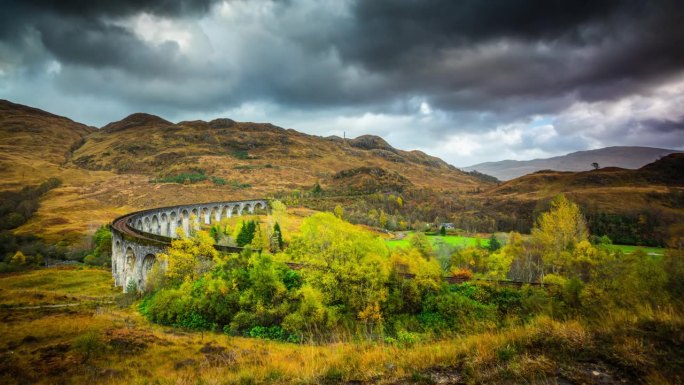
point(383, 219)
point(276, 238)
point(339, 212)
point(346, 264)
point(278, 214)
point(558, 231)
point(421, 242)
point(258, 241)
point(18, 259)
point(188, 258)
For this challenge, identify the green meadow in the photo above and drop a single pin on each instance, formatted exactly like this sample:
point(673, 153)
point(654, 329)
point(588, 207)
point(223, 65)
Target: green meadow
point(453, 240)
point(463, 241)
point(629, 249)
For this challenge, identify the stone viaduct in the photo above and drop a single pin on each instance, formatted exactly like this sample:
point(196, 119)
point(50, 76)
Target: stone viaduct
point(137, 238)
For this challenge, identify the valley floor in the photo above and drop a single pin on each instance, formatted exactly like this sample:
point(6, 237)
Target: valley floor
point(100, 338)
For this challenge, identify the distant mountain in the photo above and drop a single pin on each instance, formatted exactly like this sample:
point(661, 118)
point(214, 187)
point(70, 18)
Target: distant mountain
point(647, 202)
point(623, 157)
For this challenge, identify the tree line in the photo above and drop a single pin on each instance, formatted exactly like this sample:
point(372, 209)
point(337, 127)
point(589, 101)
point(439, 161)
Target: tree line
point(353, 286)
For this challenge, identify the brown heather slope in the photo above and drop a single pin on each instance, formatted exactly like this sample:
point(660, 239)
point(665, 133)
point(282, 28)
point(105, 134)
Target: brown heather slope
point(657, 187)
point(109, 171)
point(254, 153)
point(34, 144)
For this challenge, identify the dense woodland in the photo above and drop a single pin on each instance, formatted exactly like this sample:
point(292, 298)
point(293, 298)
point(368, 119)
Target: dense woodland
point(420, 209)
point(16, 208)
point(353, 287)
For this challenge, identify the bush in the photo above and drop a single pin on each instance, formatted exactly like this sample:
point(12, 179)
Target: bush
point(238, 185)
point(7, 268)
point(184, 178)
point(218, 181)
point(89, 346)
point(240, 154)
point(194, 321)
point(407, 338)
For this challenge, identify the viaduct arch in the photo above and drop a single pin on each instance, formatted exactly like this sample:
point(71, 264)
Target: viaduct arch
point(139, 237)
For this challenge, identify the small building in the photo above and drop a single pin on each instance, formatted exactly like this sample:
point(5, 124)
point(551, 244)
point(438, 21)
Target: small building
point(447, 226)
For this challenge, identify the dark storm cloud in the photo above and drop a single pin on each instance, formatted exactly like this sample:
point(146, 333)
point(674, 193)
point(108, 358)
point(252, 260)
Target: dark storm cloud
point(596, 49)
point(112, 8)
point(18, 16)
point(441, 67)
point(99, 45)
point(665, 125)
point(390, 32)
point(459, 55)
point(80, 32)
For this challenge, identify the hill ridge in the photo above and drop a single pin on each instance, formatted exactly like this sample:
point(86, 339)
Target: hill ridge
point(628, 157)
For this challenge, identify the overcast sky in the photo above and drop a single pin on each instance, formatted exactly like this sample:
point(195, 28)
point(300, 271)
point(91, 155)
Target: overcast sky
point(469, 81)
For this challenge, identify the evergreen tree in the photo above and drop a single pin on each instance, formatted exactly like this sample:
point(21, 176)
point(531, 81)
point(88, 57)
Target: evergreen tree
point(278, 233)
point(442, 231)
point(246, 234)
point(494, 243)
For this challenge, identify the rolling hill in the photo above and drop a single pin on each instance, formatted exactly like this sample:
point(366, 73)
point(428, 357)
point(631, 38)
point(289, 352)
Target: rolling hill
point(652, 195)
point(623, 157)
point(35, 144)
point(124, 165)
point(145, 161)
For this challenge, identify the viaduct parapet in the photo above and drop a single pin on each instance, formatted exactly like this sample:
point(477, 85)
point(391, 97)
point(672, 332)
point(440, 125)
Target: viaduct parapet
point(139, 237)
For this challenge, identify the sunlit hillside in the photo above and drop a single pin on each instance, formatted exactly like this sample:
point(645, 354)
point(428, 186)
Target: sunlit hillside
point(129, 165)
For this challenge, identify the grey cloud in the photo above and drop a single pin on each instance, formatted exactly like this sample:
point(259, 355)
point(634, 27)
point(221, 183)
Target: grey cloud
point(665, 125)
point(478, 64)
point(99, 45)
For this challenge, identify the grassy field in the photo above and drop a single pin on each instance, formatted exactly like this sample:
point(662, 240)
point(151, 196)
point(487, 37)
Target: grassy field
point(55, 286)
point(628, 249)
point(454, 240)
point(100, 342)
point(457, 240)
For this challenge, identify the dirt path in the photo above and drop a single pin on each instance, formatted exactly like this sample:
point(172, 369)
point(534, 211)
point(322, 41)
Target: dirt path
point(52, 306)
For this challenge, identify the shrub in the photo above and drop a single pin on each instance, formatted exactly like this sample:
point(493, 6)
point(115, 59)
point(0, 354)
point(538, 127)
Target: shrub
point(184, 178)
point(218, 181)
point(240, 154)
point(238, 185)
point(89, 345)
point(268, 333)
point(194, 321)
point(7, 268)
point(506, 353)
point(407, 338)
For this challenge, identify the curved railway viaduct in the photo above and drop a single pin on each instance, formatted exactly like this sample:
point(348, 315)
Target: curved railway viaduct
point(139, 237)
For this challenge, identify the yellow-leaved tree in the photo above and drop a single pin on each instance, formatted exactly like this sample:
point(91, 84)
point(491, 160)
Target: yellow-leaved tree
point(278, 215)
point(346, 263)
point(558, 231)
point(189, 258)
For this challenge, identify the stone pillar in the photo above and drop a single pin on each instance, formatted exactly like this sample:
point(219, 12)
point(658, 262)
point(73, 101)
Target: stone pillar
point(186, 226)
point(173, 223)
